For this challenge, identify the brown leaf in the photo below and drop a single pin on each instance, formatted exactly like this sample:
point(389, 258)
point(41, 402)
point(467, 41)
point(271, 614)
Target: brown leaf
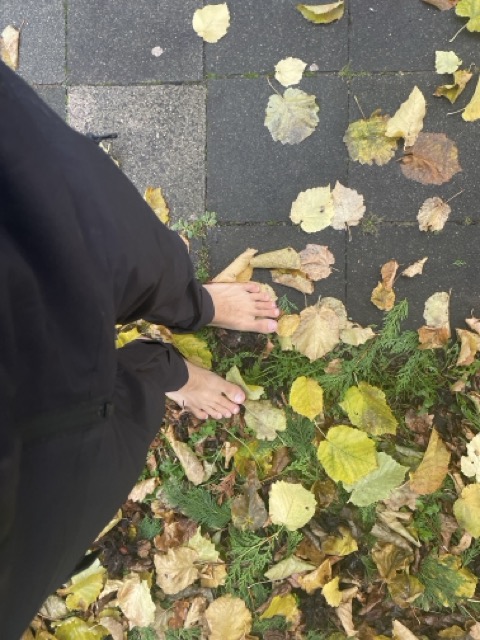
point(176, 569)
point(473, 323)
point(391, 558)
point(175, 534)
point(316, 260)
point(383, 298)
point(389, 271)
point(419, 424)
point(248, 510)
point(433, 214)
point(318, 332)
point(295, 279)
point(470, 345)
point(443, 5)
point(433, 159)
point(414, 269)
point(432, 338)
point(402, 497)
point(194, 469)
point(141, 490)
point(448, 526)
point(345, 615)
point(431, 472)
point(239, 269)
point(452, 91)
point(286, 258)
point(405, 589)
point(316, 579)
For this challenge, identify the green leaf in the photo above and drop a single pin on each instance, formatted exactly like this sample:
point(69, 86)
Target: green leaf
point(347, 454)
point(368, 410)
point(366, 140)
point(291, 505)
point(252, 391)
point(469, 9)
point(264, 419)
point(378, 484)
point(85, 587)
point(193, 348)
point(292, 117)
point(77, 629)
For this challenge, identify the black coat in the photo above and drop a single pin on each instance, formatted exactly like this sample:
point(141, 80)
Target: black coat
point(79, 252)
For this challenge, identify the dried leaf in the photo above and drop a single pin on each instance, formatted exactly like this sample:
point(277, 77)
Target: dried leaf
point(228, 619)
point(154, 197)
point(467, 509)
point(407, 122)
point(288, 324)
point(322, 13)
point(286, 568)
point(443, 5)
point(306, 397)
point(192, 466)
point(135, 600)
point(211, 22)
point(349, 207)
point(340, 545)
point(469, 9)
point(76, 629)
point(366, 140)
point(347, 454)
point(383, 298)
point(142, 489)
point(470, 345)
point(248, 510)
point(295, 279)
point(85, 587)
point(446, 61)
point(437, 331)
point(284, 605)
point(474, 323)
point(345, 614)
point(389, 271)
point(313, 209)
point(289, 71)
point(470, 464)
point(292, 117)
point(9, 46)
point(367, 408)
point(204, 547)
point(332, 593)
point(391, 559)
point(286, 258)
point(472, 110)
point(176, 569)
point(400, 632)
point(452, 91)
point(316, 579)
point(316, 260)
point(355, 335)
point(431, 472)
point(433, 159)
point(213, 576)
point(433, 214)
point(291, 505)
point(264, 419)
point(414, 269)
point(236, 270)
point(318, 332)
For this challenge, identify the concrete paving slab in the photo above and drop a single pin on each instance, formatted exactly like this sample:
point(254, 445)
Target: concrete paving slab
point(261, 34)
point(388, 193)
point(403, 35)
point(55, 97)
point(227, 242)
point(161, 137)
point(452, 265)
point(251, 178)
point(113, 41)
point(42, 43)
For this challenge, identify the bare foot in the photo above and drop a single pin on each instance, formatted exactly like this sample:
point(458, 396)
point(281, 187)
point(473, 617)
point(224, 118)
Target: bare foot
point(206, 394)
point(243, 307)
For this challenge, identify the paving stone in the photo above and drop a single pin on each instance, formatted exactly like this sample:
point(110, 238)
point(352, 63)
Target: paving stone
point(42, 40)
point(261, 34)
point(161, 137)
point(403, 35)
point(251, 178)
point(452, 265)
point(387, 192)
point(114, 43)
point(55, 97)
point(227, 242)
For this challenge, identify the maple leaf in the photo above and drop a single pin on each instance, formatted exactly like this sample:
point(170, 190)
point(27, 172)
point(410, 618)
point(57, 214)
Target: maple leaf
point(322, 13)
point(289, 71)
point(9, 45)
point(316, 260)
point(469, 9)
point(349, 207)
point(313, 209)
point(452, 91)
point(292, 117)
point(472, 110)
point(446, 61)
point(407, 122)
point(211, 22)
point(433, 159)
point(366, 140)
point(433, 214)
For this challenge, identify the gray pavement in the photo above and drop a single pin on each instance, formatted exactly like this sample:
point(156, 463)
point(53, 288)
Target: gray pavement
point(190, 119)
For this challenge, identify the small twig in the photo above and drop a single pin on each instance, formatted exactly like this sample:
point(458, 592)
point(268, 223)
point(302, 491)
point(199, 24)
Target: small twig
point(358, 105)
point(452, 113)
point(271, 85)
point(459, 31)
point(454, 196)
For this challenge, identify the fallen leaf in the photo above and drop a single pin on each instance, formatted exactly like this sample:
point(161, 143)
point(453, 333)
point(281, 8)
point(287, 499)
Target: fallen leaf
point(414, 269)
point(176, 569)
point(211, 22)
point(85, 587)
point(124, 337)
point(252, 391)
point(135, 601)
point(443, 5)
point(452, 91)
point(393, 520)
point(286, 258)
point(349, 207)
point(154, 197)
point(9, 46)
point(248, 510)
point(433, 159)
point(114, 627)
point(470, 464)
point(289, 71)
point(235, 272)
point(431, 472)
point(405, 589)
point(318, 578)
point(470, 345)
point(355, 335)
point(366, 140)
point(288, 324)
point(292, 117)
point(213, 576)
point(295, 279)
point(390, 559)
point(436, 333)
point(407, 122)
point(204, 547)
point(469, 9)
point(322, 13)
point(332, 593)
point(340, 545)
point(316, 260)
point(142, 489)
point(467, 509)
point(383, 298)
point(433, 214)
point(367, 408)
point(283, 605)
point(228, 619)
point(472, 110)
point(76, 629)
point(318, 332)
point(474, 323)
point(192, 466)
point(379, 484)
point(306, 397)
point(193, 349)
point(345, 614)
point(446, 61)
point(400, 632)
point(402, 497)
point(286, 568)
point(347, 454)
point(313, 209)
point(264, 419)
point(291, 505)
point(389, 271)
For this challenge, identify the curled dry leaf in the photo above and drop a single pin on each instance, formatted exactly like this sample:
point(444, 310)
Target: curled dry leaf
point(433, 159)
point(366, 140)
point(211, 22)
point(9, 46)
point(292, 117)
point(295, 279)
point(414, 269)
point(286, 258)
point(349, 207)
point(322, 13)
point(236, 270)
point(452, 91)
point(289, 71)
point(313, 209)
point(383, 296)
point(474, 323)
point(470, 345)
point(446, 61)
point(316, 579)
point(472, 110)
point(407, 122)
point(316, 260)
point(142, 489)
point(286, 568)
point(194, 469)
point(228, 619)
point(433, 214)
point(389, 271)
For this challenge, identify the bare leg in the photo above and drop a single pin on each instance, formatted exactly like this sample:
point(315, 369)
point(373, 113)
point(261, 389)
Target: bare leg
point(208, 395)
point(243, 307)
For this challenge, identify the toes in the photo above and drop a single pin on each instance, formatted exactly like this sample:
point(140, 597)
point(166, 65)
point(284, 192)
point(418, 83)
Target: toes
point(265, 326)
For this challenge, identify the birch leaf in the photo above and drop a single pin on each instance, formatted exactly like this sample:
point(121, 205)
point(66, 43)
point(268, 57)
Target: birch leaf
point(252, 391)
point(85, 587)
point(292, 117)
point(355, 335)
point(228, 619)
point(433, 159)
point(295, 279)
point(366, 140)
point(316, 260)
point(347, 454)
point(446, 61)
point(379, 484)
point(431, 472)
point(286, 258)
point(204, 547)
point(467, 509)
point(135, 600)
point(289, 71)
point(9, 46)
point(286, 568)
point(469, 9)
point(349, 207)
point(470, 345)
point(176, 569)
point(313, 209)
point(154, 198)
point(470, 464)
point(318, 332)
point(452, 91)
point(211, 22)
point(193, 348)
point(433, 214)
point(291, 505)
point(407, 122)
point(264, 419)
point(283, 605)
point(239, 269)
point(472, 110)
point(368, 410)
point(306, 397)
point(436, 333)
point(322, 13)
point(414, 269)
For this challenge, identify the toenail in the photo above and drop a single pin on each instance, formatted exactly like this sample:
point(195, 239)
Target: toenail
point(236, 410)
point(239, 398)
point(272, 325)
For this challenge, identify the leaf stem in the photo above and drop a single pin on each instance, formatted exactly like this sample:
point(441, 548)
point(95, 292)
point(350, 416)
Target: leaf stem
point(458, 32)
point(360, 108)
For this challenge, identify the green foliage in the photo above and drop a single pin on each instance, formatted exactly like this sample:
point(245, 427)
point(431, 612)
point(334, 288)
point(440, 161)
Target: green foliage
point(367, 516)
point(206, 430)
point(194, 633)
point(426, 518)
point(149, 528)
point(196, 228)
point(277, 623)
point(286, 306)
point(202, 265)
point(470, 554)
point(441, 584)
point(142, 633)
point(198, 504)
point(298, 437)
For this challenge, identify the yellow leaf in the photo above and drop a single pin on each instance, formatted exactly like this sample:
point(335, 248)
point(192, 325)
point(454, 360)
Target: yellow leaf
point(349, 207)
point(367, 409)
point(332, 593)
point(294, 279)
point(382, 297)
point(472, 110)
point(318, 332)
point(452, 91)
point(342, 545)
point(347, 454)
point(124, 337)
point(407, 122)
point(446, 61)
point(366, 140)
point(306, 397)
point(286, 258)
point(135, 600)
point(282, 606)
point(213, 575)
point(9, 44)
point(405, 589)
point(470, 464)
point(322, 13)
point(291, 505)
point(252, 391)
point(264, 419)
point(211, 22)
point(467, 509)
point(401, 632)
point(355, 335)
point(286, 568)
point(77, 629)
point(154, 197)
point(313, 209)
point(239, 270)
point(287, 325)
point(415, 269)
point(289, 71)
point(431, 472)
point(469, 9)
point(193, 348)
point(176, 569)
point(228, 619)
point(433, 214)
point(205, 548)
point(292, 117)
point(316, 579)
point(85, 587)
